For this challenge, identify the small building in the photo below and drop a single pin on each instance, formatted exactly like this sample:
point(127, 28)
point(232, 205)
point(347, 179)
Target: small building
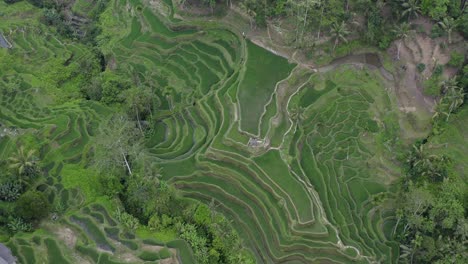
point(5, 255)
point(4, 42)
point(255, 142)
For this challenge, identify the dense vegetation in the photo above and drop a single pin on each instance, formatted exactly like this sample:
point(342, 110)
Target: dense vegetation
point(371, 21)
point(432, 215)
point(128, 134)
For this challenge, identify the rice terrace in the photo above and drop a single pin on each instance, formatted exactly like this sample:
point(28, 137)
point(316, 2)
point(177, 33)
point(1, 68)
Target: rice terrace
point(233, 131)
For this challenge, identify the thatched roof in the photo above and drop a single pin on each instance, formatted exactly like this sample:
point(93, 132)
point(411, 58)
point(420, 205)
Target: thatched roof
point(5, 255)
point(3, 42)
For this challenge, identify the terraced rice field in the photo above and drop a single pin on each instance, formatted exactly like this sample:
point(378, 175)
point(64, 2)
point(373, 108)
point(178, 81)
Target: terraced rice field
point(91, 235)
point(303, 192)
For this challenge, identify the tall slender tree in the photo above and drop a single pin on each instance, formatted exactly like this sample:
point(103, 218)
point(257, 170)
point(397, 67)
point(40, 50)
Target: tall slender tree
point(453, 98)
point(411, 8)
point(401, 32)
point(24, 162)
point(320, 5)
point(339, 33)
point(448, 24)
point(139, 100)
point(118, 144)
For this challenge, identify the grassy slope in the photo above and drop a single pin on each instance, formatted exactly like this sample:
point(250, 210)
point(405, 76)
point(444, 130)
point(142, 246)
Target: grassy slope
point(263, 71)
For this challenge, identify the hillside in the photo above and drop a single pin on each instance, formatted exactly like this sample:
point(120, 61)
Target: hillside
point(159, 131)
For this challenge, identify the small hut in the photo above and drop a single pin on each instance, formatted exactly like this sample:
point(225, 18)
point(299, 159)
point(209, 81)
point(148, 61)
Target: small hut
point(4, 42)
point(255, 142)
point(5, 255)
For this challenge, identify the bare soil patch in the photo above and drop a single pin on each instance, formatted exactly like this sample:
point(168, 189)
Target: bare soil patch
point(154, 248)
point(419, 49)
point(129, 258)
point(66, 235)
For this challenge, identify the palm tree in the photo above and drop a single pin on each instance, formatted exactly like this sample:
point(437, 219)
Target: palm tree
point(399, 214)
point(401, 32)
point(139, 100)
point(24, 163)
point(339, 32)
point(406, 252)
point(411, 8)
point(320, 5)
point(448, 24)
point(418, 155)
point(449, 84)
point(438, 112)
point(307, 4)
point(454, 97)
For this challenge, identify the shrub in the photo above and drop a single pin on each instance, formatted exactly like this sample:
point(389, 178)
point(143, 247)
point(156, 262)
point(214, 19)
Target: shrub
point(52, 17)
point(432, 86)
point(421, 67)
point(420, 29)
point(10, 191)
point(202, 215)
point(127, 220)
point(111, 185)
point(32, 205)
point(436, 31)
point(464, 77)
point(18, 225)
point(165, 253)
point(6, 211)
point(462, 23)
point(456, 59)
point(166, 221)
point(385, 42)
point(149, 256)
point(112, 86)
point(60, 207)
point(154, 222)
point(438, 70)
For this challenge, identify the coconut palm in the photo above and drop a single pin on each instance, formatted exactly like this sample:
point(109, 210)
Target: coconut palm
point(406, 252)
point(24, 162)
point(339, 32)
point(454, 98)
point(439, 111)
point(410, 8)
point(418, 155)
point(448, 24)
point(401, 32)
point(449, 84)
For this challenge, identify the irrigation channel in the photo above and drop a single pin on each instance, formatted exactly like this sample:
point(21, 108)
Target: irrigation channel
point(302, 191)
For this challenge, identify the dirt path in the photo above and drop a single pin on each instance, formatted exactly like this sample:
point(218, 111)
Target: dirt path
point(406, 81)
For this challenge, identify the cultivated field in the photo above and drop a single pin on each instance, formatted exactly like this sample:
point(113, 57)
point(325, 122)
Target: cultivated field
point(304, 190)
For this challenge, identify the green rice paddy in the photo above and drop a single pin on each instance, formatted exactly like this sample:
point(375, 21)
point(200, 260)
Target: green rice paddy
point(303, 194)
